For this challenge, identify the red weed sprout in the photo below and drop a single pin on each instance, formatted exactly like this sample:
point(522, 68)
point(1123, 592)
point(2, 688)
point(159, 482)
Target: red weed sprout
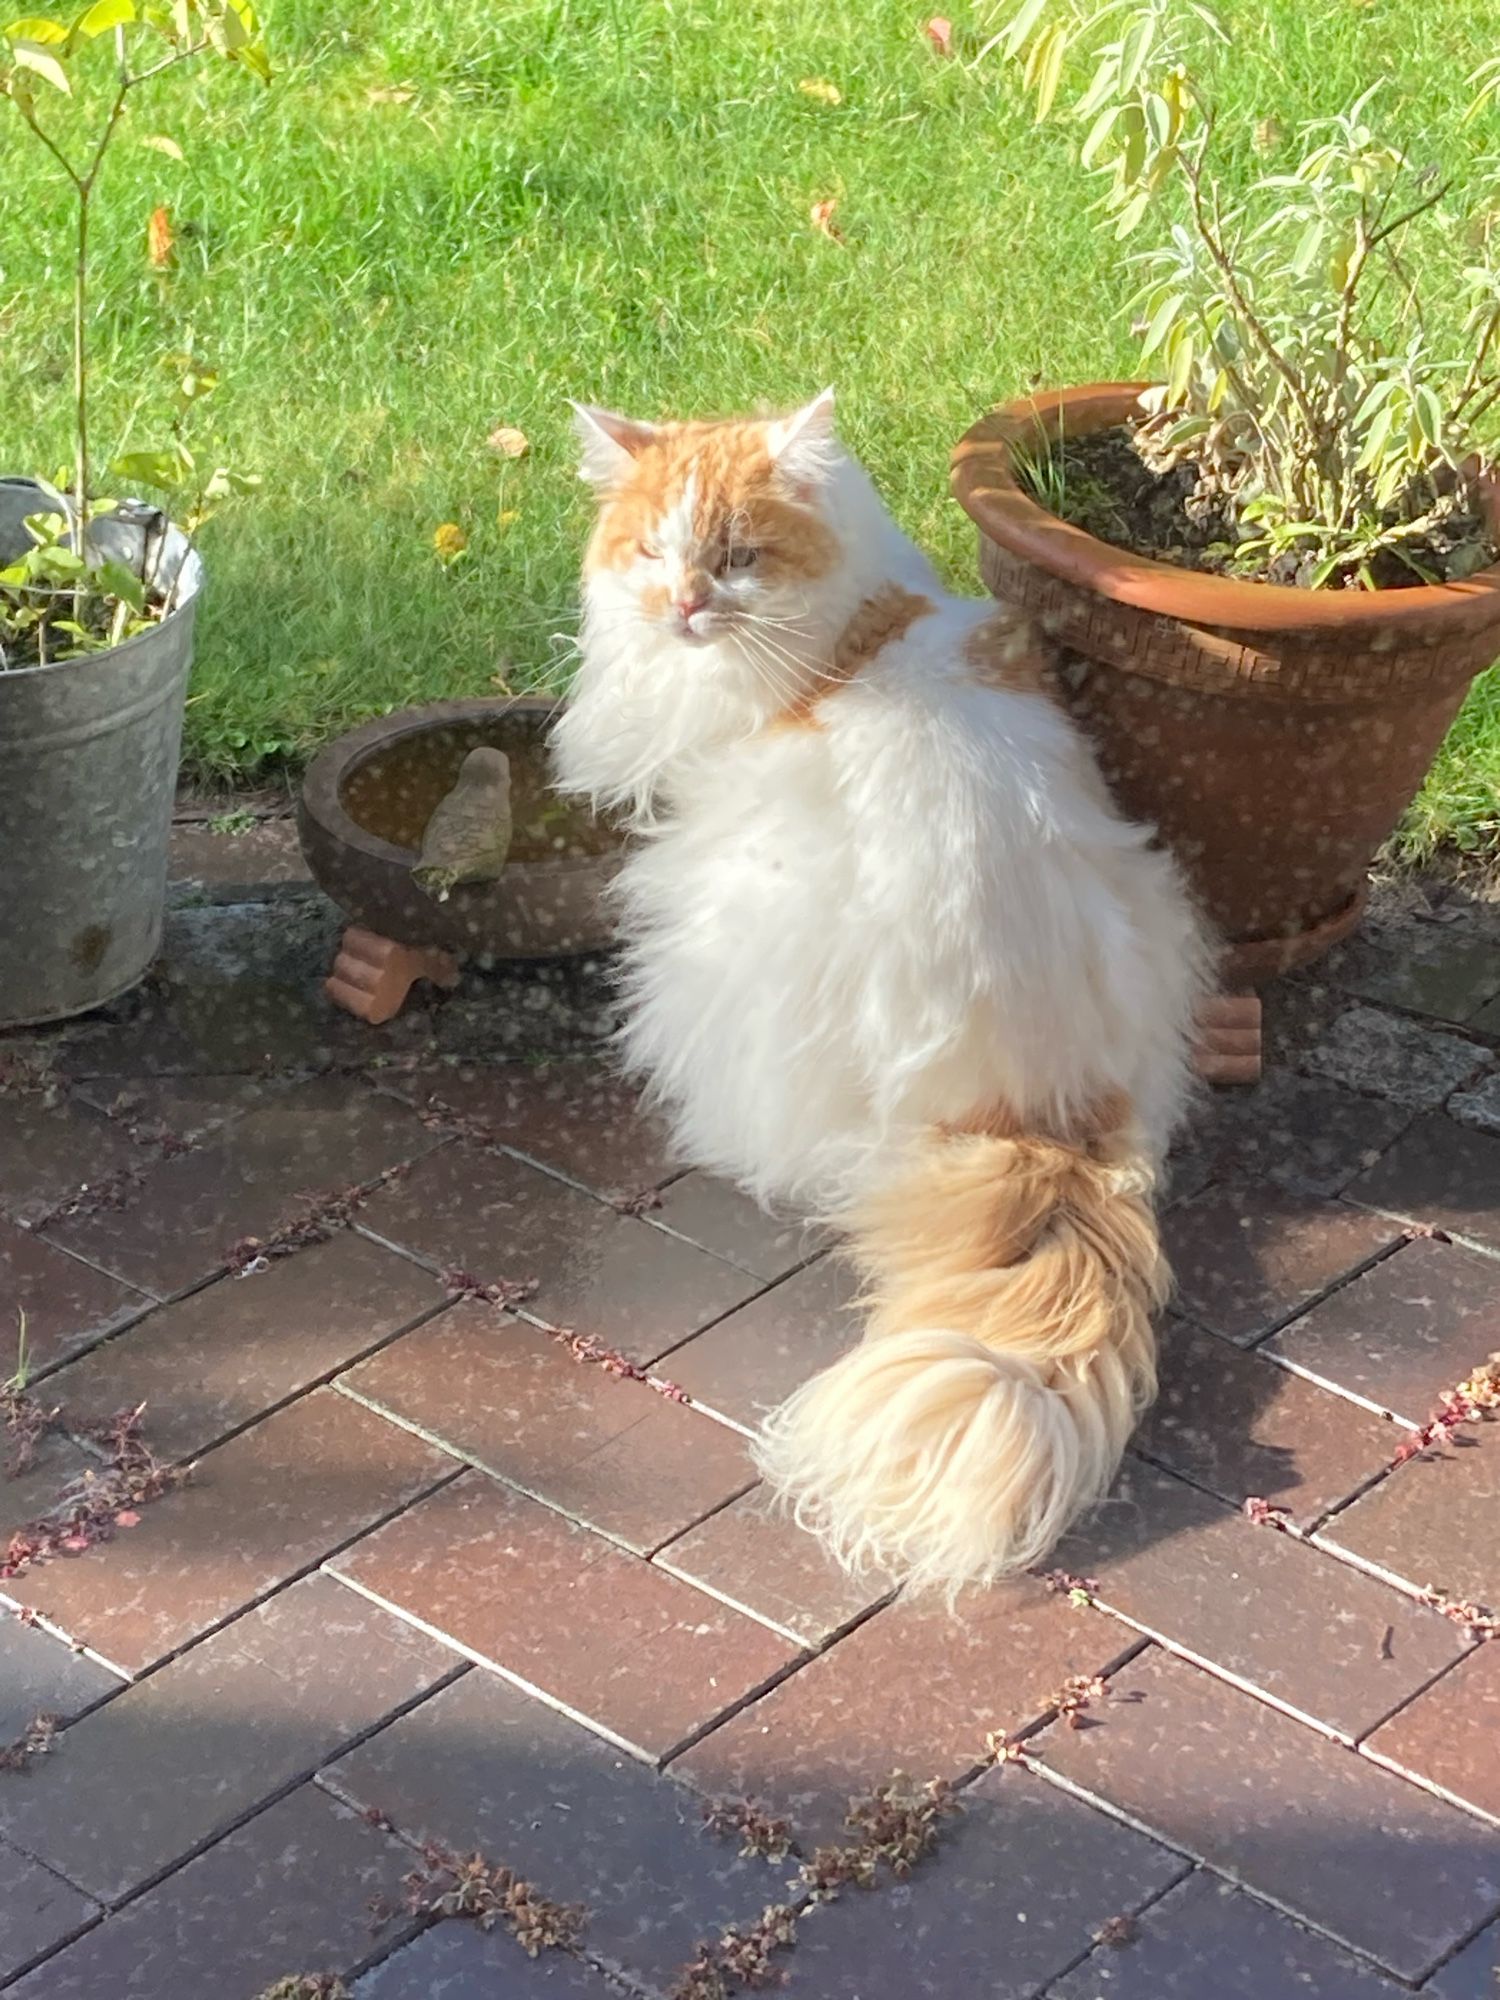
point(1476, 1619)
point(34, 1741)
point(96, 1504)
point(639, 1201)
point(109, 1192)
point(759, 1831)
point(1001, 1748)
point(503, 1292)
point(1079, 1590)
point(323, 1213)
point(440, 1116)
point(587, 1348)
point(306, 1986)
point(25, 1423)
point(1473, 1401)
point(1261, 1514)
point(739, 1959)
point(1078, 1693)
point(467, 1885)
point(1117, 1931)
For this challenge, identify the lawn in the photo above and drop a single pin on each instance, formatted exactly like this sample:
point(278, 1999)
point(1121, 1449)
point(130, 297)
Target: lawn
point(449, 215)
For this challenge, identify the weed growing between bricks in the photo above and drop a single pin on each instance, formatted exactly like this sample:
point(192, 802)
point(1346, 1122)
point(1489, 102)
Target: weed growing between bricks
point(322, 1214)
point(96, 1504)
point(307, 1986)
point(34, 1741)
point(895, 1827)
point(506, 1293)
point(1474, 1401)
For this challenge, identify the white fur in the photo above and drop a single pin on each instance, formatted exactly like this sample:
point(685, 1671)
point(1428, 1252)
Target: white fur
point(839, 938)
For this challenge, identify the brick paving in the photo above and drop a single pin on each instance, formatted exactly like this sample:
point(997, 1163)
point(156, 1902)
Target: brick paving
point(438, 1534)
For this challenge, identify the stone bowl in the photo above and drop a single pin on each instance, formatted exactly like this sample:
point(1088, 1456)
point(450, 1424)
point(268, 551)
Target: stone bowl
point(367, 797)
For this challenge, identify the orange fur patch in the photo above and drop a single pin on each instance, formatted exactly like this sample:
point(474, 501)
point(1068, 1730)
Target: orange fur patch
point(1007, 651)
point(736, 486)
point(886, 615)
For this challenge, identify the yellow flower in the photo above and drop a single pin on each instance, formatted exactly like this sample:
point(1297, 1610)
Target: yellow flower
point(449, 541)
point(820, 88)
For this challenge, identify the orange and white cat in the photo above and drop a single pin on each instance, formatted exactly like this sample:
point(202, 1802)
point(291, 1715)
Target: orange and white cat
point(893, 958)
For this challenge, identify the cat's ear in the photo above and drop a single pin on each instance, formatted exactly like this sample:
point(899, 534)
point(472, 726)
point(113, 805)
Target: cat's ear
point(802, 444)
point(609, 442)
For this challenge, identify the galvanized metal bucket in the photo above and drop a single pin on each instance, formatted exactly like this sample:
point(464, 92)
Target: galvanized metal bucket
point(88, 772)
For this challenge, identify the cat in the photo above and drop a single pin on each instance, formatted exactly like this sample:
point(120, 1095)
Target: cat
point(891, 957)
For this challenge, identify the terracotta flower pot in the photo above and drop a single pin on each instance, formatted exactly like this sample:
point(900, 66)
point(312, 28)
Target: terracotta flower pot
point(1273, 735)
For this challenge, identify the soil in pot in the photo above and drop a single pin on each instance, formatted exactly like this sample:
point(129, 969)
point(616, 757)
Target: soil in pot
point(1108, 483)
point(394, 793)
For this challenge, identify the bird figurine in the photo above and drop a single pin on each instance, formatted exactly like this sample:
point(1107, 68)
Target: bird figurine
point(468, 836)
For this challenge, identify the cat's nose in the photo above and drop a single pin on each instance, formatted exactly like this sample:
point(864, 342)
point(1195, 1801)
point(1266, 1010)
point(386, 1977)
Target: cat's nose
point(689, 603)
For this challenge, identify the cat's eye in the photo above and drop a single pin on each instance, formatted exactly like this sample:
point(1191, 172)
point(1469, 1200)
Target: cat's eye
point(740, 557)
point(649, 550)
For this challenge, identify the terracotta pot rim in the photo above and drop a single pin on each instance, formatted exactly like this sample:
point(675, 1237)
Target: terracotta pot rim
point(985, 485)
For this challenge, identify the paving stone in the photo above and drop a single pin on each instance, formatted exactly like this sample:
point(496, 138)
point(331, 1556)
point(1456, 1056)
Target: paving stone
point(1207, 1937)
point(230, 861)
point(754, 1556)
point(1403, 1060)
point(612, 1453)
point(41, 1675)
point(1302, 1133)
point(1442, 1173)
point(1239, 1425)
point(750, 1362)
point(1445, 970)
point(1207, 1582)
point(912, 1689)
point(57, 1464)
point(153, 1774)
point(524, 1590)
point(1376, 1862)
point(287, 1892)
point(191, 1107)
point(1487, 1020)
point(177, 1226)
point(716, 1215)
point(1472, 1974)
point(1433, 1521)
point(258, 1510)
point(486, 1766)
point(50, 1150)
point(224, 1355)
point(1246, 1259)
point(1479, 1107)
point(1017, 1888)
point(40, 1910)
point(67, 1304)
point(458, 1962)
point(607, 1274)
point(577, 1118)
point(1405, 1332)
point(1448, 1735)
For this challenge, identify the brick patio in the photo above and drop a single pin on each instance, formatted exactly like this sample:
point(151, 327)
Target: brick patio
point(472, 1556)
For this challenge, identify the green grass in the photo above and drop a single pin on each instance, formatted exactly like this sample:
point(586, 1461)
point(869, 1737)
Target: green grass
point(608, 199)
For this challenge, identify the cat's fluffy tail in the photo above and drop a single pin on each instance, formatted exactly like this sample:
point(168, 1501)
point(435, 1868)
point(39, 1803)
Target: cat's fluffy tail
point(1013, 1282)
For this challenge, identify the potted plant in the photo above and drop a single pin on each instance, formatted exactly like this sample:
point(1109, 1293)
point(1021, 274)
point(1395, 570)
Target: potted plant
point(97, 595)
point(1272, 573)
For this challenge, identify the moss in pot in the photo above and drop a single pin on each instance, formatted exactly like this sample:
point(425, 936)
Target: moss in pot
point(1273, 574)
point(97, 595)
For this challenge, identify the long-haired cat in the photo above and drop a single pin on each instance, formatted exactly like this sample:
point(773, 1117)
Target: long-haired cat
point(892, 957)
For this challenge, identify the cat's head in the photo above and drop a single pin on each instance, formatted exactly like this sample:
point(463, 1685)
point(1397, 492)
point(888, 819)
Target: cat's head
point(710, 529)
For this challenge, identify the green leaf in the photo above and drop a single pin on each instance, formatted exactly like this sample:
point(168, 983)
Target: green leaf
point(160, 143)
point(1099, 132)
point(1309, 245)
point(1181, 371)
point(1135, 46)
point(162, 469)
point(123, 583)
point(1428, 412)
point(32, 56)
point(1130, 215)
point(1049, 72)
point(101, 17)
point(1024, 21)
point(1375, 437)
point(1156, 331)
point(1101, 85)
point(1158, 118)
point(35, 28)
